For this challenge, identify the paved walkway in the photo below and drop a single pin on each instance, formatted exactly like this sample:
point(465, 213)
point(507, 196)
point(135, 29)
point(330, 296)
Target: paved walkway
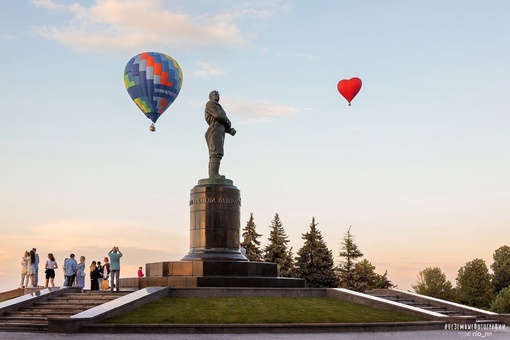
point(407, 335)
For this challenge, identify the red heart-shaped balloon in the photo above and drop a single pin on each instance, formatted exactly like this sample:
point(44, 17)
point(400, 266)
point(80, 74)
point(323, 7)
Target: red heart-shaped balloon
point(349, 88)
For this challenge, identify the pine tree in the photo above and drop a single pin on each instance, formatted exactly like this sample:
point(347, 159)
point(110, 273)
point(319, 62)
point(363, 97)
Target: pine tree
point(277, 250)
point(288, 267)
point(314, 261)
point(350, 253)
point(251, 242)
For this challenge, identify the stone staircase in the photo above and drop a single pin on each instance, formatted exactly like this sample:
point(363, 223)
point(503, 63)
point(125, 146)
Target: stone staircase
point(453, 311)
point(33, 317)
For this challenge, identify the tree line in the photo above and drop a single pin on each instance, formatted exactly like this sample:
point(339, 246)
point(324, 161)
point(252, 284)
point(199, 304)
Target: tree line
point(314, 261)
point(475, 285)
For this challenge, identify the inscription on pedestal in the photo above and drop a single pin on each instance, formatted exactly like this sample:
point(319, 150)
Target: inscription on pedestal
point(213, 200)
point(215, 213)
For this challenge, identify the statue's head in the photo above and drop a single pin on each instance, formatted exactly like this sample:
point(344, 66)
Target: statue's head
point(214, 95)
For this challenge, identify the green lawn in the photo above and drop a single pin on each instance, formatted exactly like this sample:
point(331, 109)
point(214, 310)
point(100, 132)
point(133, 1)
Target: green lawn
point(256, 310)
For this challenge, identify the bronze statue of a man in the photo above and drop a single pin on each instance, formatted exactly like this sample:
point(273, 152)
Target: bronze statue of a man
point(219, 123)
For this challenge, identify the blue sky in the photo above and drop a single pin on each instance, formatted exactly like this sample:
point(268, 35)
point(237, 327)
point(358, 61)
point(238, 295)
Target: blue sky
point(417, 165)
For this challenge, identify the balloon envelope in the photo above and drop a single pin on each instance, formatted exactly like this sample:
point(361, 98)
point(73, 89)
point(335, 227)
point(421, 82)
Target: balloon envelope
point(153, 80)
point(349, 88)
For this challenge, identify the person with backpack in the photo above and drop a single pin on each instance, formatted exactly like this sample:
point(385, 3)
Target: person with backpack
point(106, 273)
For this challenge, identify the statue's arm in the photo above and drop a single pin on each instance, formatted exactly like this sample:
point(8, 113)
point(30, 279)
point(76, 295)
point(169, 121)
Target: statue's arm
point(218, 113)
point(215, 110)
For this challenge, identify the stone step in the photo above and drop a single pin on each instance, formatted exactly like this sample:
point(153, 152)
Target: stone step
point(36, 313)
point(433, 308)
point(417, 304)
point(17, 326)
point(64, 304)
point(59, 307)
point(375, 291)
point(72, 303)
point(35, 318)
point(480, 319)
point(95, 293)
point(404, 301)
point(52, 312)
point(23, 319)
point(387, 297)
point(450, 312)
point(88, 298)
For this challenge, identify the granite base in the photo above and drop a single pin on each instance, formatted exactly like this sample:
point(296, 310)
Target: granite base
point(193, 274)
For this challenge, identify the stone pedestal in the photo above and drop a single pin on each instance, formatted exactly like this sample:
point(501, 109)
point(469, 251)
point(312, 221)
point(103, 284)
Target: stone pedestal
point(215, 213)
point(214, 258)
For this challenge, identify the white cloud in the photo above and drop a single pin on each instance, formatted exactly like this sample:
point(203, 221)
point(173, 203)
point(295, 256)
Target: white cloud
point(297, 55)
point(207, 70)
point(252, 111)
point(49, 4)
point(109, 25)
point(258, 111)
point(7, 37)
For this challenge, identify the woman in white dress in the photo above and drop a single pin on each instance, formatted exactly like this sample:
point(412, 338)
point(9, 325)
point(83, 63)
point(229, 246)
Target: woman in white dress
point(31, 268)
point(24, 270)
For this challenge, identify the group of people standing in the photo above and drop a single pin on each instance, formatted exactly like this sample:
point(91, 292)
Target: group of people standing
point(74, 272)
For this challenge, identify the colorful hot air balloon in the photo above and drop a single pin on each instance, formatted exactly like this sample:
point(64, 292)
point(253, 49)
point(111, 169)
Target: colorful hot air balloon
point(153, 80)
point(349, 88)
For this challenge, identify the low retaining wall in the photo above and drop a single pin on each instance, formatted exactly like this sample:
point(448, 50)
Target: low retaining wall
point(264, 328)
point(11, 294)
point(244, 292)
point(107, 310)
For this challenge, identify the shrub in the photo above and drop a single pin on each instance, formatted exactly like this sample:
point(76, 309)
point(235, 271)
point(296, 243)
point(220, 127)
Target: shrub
point(502, 302)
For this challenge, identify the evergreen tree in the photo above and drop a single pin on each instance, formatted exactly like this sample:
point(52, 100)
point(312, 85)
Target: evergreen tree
point(251, 242)
point(277, 250)
point(432, 282)
point(365, 277)
point(474, 287)
point(350, 253)
point(501, 268)
point(502, 302)
point(288, 269)
point(314, 261)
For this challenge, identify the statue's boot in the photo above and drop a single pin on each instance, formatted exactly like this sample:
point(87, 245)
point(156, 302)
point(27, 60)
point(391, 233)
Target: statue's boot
point(214, 168)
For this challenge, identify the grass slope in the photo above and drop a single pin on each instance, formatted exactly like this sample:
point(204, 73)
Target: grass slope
point(253, 310)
